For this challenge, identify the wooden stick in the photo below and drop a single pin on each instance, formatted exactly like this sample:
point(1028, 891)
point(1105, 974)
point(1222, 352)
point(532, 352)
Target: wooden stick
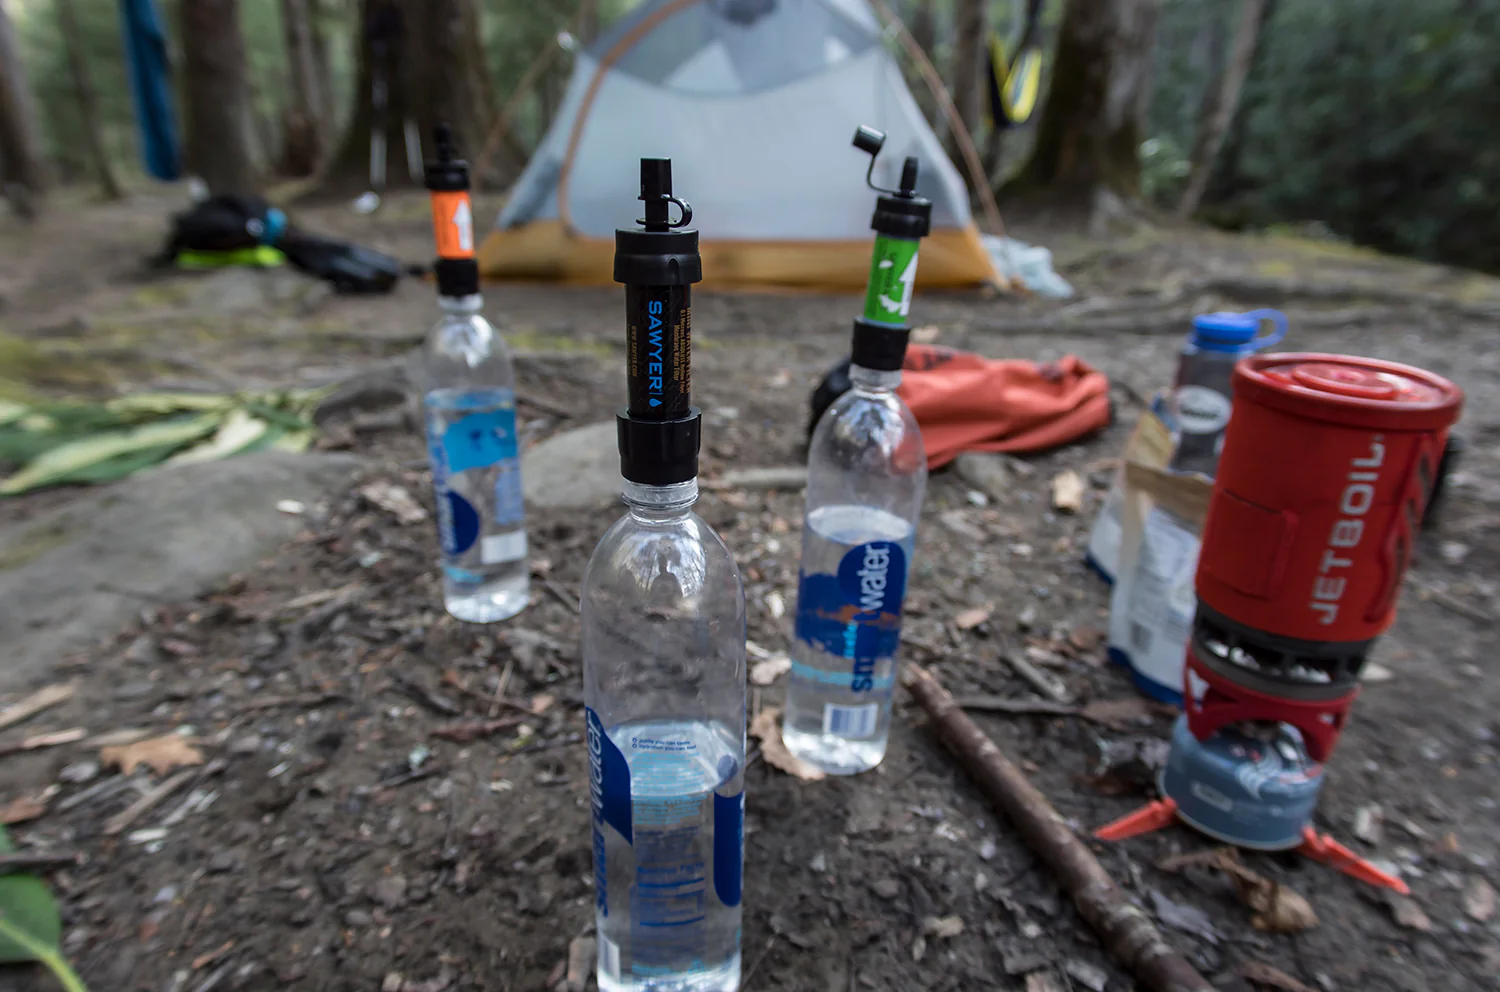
point(117, 823)
point(1123, 927)
point(1017, 707)
point(11, 864)
point(1038, 680)
point(36, 702)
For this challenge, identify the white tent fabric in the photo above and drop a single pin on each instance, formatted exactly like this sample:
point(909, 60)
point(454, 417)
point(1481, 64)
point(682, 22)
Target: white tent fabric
point(755, 102)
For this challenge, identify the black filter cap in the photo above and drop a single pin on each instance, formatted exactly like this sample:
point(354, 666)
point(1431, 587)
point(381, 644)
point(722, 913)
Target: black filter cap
point(881, 347)
point(456, 276)
point(660, 252)
point(899, 212)
point(659, 452)
point(447, 173)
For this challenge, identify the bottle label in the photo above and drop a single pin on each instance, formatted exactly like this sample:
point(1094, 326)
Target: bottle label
point(856, 613)
point(609, 799)
point(729, 847)
point(474, 433)
point(1200, 410)
point(893, 275)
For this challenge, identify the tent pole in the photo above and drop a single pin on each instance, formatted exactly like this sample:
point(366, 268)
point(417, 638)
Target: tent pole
point(523, 89)
point(939, 92)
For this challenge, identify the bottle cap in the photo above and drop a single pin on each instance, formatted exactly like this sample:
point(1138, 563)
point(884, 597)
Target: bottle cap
point(1234, 332)
point(659, 252)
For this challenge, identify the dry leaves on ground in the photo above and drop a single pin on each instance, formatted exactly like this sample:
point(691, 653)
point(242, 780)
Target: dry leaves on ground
point(1258, 973)
point(1479, 899)
point(160, 754)
point(22, 809)
point(766, 728)
point(1407, 913)
point(943, 927)
point(969, 619)
point(1276, 908)
point(394, 500)
point(1067, 491)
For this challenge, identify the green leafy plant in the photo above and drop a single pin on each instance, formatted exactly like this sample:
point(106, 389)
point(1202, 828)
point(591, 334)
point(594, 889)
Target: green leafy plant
point(81, 443)
point(30, 926)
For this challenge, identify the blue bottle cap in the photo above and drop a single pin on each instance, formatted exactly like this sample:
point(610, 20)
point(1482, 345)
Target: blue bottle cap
point(1236, 332)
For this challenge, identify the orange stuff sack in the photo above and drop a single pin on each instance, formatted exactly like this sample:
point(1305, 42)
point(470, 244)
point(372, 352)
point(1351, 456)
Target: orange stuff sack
point(964, 402)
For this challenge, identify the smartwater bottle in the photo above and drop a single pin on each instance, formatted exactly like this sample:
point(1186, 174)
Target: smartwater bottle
point(469, 407)
point(664, 656)
point(866, 476)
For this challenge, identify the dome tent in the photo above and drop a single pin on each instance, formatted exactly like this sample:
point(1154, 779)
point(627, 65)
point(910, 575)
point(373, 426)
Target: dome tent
point(755, 102)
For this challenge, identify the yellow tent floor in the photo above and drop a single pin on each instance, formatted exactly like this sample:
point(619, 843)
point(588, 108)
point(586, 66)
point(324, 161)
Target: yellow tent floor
point(545, 250)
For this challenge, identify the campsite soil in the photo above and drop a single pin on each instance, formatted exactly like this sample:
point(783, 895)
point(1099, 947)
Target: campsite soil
point(348, 846)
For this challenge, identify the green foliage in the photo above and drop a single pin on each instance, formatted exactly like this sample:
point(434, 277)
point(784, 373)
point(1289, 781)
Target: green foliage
point(1374, 117)
point(80, 444)
point(30, 925)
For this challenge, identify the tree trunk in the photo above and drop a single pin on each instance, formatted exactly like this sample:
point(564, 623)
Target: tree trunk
point(414, 49)
point(215, 95)
point(922, 24)
point(971, 35)
point(1219, 110)
point(1089, 135)
point(588, 21)
point(21, 164)
point(322, 69)
point(88, 102)
point(302, 124)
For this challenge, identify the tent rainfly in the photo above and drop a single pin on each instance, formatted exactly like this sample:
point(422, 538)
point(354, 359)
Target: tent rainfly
point(755, 102)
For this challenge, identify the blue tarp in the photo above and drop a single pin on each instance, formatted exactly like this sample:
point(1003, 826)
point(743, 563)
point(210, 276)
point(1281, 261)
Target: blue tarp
point(151, 85)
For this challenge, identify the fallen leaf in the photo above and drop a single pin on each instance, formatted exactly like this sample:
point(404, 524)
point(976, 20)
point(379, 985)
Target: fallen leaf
point(925, 335)
point(969, 619)
point(203, 960)
point(1258, 973)
point(542, 702)
point(36, 702)
point(394, 500)
point(161, 754)
point(1275, 907)
point(1086, 975)
point(22, 809)
point(1407, 913)
point(775, 605)
point(1479, 899)
point(1067, 491)
point(1183, 917)
point(943, 927)
point(770, 669)
point(766, 727)
point(1373, 673)
point(1128, 713)
point(918, 948)
point(1367, 824)
point(1041, 981)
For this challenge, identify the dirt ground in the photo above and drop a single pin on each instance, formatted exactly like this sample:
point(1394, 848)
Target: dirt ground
point(337, 841)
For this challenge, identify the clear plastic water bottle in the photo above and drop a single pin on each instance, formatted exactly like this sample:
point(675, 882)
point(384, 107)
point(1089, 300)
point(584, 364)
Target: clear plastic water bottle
point(469, 408)
point(1201, 393)
point(866, 476)
point(663, 617)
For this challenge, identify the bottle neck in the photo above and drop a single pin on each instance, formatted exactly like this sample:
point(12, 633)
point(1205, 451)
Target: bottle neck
point(660, 503)
point(465, 306)
point(874, 380)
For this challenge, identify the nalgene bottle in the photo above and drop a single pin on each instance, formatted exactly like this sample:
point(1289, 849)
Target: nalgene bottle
point(866, 476)
point(469, 408)
point(1201, 392)
point(663, 617)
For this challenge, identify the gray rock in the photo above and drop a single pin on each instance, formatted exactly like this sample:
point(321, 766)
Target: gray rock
point(390, 891)
point(240, 289)
point(989, 473)
point(143, 651)
point(576, 468)
point(246, 745)
point(358, 918)
point(886, 888)
point(161, 536)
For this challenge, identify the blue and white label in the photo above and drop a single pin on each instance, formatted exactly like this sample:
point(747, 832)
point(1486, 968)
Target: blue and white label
point(856, 613)
point(609, 798)
point(729, 847)
point(475, 432)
